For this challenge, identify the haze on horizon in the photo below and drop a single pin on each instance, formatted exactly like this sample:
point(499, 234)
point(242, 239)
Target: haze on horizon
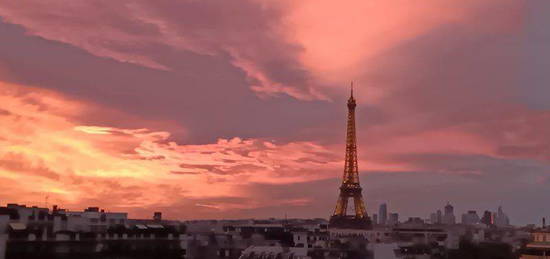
point(236, 109)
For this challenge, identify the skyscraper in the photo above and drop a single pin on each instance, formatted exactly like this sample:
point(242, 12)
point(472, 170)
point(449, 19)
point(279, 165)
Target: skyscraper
point(487, 218)
point(393, 219)
point(470, 218)
point(383, 214)
point(501, 219)
point(350, 188)
point(433, 218)
point(449, 216)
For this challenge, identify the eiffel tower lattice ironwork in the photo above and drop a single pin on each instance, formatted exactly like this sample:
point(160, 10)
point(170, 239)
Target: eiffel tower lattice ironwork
point(350, 188)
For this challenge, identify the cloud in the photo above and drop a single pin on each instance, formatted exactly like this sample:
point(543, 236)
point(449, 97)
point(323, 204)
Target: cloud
point(18, 163)
point(306, 51)
point(131, 96)
point(48, 153)
point(132, 30)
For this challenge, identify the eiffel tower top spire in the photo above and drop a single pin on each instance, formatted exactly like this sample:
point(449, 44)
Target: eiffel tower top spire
point(351, 100)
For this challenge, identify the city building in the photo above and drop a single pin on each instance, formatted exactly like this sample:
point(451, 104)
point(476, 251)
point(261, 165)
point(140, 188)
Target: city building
point(433, 218)
point(470, 218)
point(277, 251)
point(393, 219)
point(414, 221)
point(501, 219)
point(449, 217)
point(539, 247)
point(375, 219)
point(94, 233)
point(70, 234)
point(487, 218)
point(383, 214)
point(436, 217)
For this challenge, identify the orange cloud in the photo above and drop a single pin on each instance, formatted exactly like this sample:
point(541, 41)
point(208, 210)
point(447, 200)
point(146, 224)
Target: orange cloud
point(47, 153)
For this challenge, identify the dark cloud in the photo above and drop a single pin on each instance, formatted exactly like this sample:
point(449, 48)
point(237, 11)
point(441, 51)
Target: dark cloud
point(533, 151)
point(197, 166)
point(480, 167)
point(5, 112)
point(184, 173)
point(536, 57)
point(451, 75)
point(159, 157)
point(20, 164)
point(224, 169)
point(204, 94)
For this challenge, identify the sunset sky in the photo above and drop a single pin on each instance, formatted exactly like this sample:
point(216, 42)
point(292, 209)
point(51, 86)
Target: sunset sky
point(236, 109)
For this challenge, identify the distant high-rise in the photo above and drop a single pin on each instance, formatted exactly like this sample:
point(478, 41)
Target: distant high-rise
point(433, 218)
point(375, 219)
point(501, 219)
point(449, 209)
point(393, 219)
point(487, 218)
point(436, 217)
point(449, 216)
point(414, 221)
point(350, 188)
point(383, 214)
point(470, 218)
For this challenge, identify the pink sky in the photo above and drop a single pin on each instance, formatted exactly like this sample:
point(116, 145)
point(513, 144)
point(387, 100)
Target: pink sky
point(212, 109)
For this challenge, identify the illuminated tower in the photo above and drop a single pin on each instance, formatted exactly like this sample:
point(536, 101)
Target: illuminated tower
point(350, 188)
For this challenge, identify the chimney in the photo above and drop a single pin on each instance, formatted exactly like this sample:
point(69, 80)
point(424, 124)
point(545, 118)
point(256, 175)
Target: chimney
point(157, 216)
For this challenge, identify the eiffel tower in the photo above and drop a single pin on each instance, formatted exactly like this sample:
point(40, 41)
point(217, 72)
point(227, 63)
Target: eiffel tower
point(350, 188)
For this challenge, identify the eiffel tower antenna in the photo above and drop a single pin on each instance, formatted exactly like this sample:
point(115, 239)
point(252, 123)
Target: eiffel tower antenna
point(350, 188)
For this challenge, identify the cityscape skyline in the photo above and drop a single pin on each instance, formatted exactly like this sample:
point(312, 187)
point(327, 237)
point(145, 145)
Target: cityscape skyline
point(400, 218)
point(96, 233)
point(208, 110)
